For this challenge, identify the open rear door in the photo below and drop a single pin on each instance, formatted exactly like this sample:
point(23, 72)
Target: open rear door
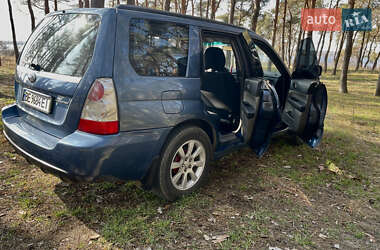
point(259, 105)
point(306, 104)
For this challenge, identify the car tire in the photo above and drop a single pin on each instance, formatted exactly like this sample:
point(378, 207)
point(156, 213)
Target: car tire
point(184, 164)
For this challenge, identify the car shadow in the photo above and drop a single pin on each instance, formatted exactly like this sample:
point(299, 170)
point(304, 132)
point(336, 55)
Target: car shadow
point(126, 215)
point(102, 206)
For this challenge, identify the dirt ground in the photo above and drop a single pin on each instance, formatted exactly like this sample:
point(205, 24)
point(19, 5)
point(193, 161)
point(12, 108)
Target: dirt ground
point(293, 197)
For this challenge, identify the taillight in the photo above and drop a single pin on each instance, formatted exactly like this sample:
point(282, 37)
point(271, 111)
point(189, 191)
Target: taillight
point(99, 114)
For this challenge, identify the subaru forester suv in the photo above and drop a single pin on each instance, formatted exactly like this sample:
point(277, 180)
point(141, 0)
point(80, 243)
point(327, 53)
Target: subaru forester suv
point(140, 94)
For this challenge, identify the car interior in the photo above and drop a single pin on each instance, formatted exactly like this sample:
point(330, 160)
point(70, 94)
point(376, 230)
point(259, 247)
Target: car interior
point(220, 89)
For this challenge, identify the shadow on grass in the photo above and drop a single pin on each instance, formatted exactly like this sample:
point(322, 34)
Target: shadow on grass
point(128, 216)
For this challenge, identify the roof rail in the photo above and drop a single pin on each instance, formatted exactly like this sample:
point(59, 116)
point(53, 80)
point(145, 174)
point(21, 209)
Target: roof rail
point(167, 13)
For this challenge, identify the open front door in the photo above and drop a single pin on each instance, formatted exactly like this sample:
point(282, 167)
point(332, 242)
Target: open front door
point(306, 104)
point(259, 104)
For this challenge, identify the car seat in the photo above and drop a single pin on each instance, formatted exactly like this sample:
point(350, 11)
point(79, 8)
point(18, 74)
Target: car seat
point(220, 92)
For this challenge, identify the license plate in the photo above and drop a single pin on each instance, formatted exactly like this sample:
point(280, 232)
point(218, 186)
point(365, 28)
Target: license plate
point(37, 100)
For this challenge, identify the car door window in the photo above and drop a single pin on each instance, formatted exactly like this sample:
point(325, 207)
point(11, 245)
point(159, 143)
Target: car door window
point(158, 48)
point(269, 68)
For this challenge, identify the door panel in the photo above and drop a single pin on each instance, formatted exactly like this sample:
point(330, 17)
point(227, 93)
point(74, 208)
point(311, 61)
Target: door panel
point(305, 110)
point(259, 112)
point(306, 104)
point(250, 105)
point(267, 118)
point(259, 98)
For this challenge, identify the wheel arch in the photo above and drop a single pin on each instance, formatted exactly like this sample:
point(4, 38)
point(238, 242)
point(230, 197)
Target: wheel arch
point(149, 178)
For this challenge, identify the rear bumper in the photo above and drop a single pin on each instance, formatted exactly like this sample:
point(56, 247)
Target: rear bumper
point(85, 157)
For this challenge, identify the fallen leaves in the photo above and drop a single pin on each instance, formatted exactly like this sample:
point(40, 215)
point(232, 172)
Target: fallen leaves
point(220, 238)
point(333, 168)
point(322, 236)
point(206, 237)
point(217, 238)
point(371, 238)
point(248, 197)
point(94, 236)
point(159, 210)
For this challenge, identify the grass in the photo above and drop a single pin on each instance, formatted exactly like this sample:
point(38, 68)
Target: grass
point(251, 202)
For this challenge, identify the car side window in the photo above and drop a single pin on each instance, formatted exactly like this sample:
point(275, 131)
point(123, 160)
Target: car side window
point(269, 68)
point(158, 48)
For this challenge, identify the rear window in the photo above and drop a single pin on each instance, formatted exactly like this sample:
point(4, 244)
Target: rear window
point(62, 44)
point(158, 48)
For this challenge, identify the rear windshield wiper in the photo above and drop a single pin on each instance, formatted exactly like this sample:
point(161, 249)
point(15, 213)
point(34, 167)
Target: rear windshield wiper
point(36, 67)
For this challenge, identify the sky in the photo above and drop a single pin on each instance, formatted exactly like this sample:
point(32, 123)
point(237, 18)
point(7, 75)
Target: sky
point(21, 18)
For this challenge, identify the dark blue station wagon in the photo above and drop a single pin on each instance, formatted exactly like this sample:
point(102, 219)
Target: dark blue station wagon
point(140, 94)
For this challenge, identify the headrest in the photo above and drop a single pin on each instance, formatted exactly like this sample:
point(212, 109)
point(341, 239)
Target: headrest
point(215, 59)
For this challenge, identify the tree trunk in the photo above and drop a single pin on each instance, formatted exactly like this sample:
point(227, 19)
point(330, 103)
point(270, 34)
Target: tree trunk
point(370, 49)
point(232, 12)
point(183, 7)
point(129, 2)
point(319, 40)
point(290, 38)
point(192, 8)
point(338, 38)
point(146, 4)
point(377, 93)
point(55, 5)
point(0, 61)
point(118, 2)
point(283, 32)
point(13, 30)
point(275, 23)
point(207, 8)
point(87, 3)
point(347, 56)
point(300, 35)
point(240, 13)
point(80, 4)
point(213, 6)
point(365, 50)
point(328, 52)
point(167, 5)
point(255, 15)
point(310, 33)
point(339, 52)
point(31, 13)
point(360, 52)
point(98, 3)
point(322, 45)
point(375, 62)
point(200, 8)
point(47, 10)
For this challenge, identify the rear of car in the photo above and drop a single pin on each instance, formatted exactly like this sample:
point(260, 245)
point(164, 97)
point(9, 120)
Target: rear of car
point(66, 115)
